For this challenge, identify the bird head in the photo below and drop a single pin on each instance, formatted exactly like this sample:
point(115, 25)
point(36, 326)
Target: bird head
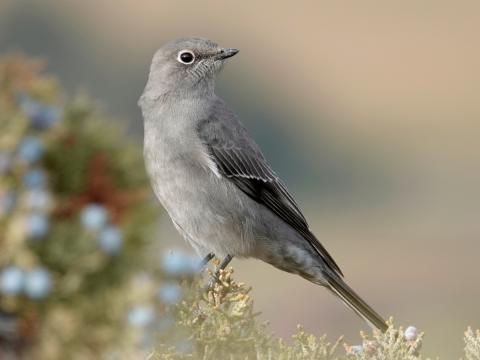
point(186, 66)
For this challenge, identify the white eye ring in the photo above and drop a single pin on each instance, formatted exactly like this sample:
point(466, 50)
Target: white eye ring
point(184, 58)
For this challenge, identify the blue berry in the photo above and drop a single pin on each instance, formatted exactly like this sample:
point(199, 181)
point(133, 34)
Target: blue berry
point(356, 349)
point(37, 199)
point(411, 333)
point(35, 179)
point(94, 216)
point(30, 149)
point(110, 240)
point(170, 293)
point(42, 117)
point(46, 117)
point(11, 280)
point(37, 225)
point(38, 283)
point(141, 316)
point(179, 263)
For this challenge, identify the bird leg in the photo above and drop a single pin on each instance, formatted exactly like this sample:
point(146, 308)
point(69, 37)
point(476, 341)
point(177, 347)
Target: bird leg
point(220, 268)
point(206, 260)
point(224, 263)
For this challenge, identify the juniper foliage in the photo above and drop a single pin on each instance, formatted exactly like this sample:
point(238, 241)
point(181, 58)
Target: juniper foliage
point(221, 323)
point(74, 221)
point(472, 344)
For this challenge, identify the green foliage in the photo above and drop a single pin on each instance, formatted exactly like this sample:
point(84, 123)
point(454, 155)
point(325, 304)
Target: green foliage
point(391, 345)
point(220, 323)
point(63, 292)
point(472, 344)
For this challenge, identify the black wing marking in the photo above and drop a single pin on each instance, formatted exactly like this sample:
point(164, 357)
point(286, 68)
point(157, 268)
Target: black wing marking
point(255, 178)
point(241, 161)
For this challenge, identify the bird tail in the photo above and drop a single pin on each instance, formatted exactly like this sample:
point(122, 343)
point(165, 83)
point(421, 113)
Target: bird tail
point(354, 302)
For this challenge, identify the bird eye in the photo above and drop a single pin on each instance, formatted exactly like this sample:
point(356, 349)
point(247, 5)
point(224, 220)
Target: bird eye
point(186, 57)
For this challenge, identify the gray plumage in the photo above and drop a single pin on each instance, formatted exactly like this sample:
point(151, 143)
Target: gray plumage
point(213, 180)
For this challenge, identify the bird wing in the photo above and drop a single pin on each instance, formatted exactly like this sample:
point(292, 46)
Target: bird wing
point(239, 159)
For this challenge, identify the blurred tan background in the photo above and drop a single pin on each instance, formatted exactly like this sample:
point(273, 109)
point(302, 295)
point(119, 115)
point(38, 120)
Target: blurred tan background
point(369, 111)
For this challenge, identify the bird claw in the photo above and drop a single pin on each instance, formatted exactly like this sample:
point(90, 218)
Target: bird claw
point(214, 279)
point(216, 276)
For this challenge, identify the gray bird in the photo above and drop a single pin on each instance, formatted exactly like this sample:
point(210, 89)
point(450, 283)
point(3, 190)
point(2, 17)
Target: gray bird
point(213, 180)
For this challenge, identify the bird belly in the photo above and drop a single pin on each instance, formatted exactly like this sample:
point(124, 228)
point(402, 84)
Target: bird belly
point(206, 208)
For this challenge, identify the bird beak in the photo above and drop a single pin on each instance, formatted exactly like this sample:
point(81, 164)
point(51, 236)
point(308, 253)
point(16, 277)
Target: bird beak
point(224, 53)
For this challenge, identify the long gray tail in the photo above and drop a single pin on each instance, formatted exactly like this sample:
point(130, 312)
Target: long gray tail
point(353, 301)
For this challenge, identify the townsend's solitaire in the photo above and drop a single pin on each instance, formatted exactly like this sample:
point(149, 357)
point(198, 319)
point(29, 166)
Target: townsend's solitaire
point(214, 182)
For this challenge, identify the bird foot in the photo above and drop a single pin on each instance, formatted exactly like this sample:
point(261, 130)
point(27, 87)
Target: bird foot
point(214, 279)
